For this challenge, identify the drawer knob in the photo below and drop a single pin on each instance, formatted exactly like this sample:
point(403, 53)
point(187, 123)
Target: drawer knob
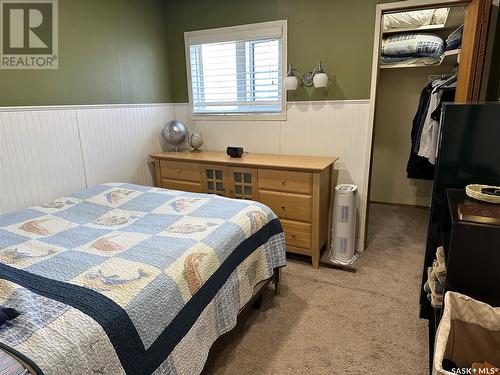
point(282, 207)
point(178, 171)
point(283, 182)
point(293, 235)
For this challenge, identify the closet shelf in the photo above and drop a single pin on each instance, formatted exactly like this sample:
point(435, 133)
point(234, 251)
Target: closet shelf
point(449, 58)
point(454, 19)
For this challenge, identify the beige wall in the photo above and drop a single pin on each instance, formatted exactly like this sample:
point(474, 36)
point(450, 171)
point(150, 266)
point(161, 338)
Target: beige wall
point(397, 100)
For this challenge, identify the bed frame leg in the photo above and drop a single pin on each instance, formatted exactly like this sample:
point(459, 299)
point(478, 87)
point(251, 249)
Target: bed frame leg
point(258, 302)
point(277, 275)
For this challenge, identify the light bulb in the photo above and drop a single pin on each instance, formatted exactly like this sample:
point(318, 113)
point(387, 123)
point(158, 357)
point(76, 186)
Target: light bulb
point(291, 83)
point(320, 80)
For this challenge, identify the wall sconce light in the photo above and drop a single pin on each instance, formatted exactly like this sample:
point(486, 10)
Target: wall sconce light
point(317, 78)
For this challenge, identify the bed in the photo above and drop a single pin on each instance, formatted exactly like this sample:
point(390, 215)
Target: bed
point(127, 279)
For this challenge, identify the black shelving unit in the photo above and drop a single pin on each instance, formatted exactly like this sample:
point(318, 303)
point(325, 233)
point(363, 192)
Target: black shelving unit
point(469, 153)
point(472, 253)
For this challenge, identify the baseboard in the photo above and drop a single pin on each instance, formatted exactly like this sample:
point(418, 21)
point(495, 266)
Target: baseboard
point(402, 205)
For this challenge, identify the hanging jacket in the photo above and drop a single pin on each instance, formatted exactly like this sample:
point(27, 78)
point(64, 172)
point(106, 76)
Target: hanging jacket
point(419, 167)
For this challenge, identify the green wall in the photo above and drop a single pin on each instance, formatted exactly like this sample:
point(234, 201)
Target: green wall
point(132, 51)
point(110, 51)
point(337, 32)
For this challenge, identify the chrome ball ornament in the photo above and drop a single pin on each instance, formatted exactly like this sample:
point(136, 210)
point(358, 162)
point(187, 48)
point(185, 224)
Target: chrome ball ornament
point(175, 133)
point(196, 141)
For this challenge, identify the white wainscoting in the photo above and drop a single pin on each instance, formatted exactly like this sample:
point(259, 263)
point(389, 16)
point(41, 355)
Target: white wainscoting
point(48, 152)
point(325, 128)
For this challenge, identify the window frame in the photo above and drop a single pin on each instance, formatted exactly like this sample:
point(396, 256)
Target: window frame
point(223, 34)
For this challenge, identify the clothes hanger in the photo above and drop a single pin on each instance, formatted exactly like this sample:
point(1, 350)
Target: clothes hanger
point(433, 77)
point(442, 85)
point(454, 73)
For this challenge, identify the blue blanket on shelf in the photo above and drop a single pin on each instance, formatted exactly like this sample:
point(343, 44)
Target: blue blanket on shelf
point(413, 45)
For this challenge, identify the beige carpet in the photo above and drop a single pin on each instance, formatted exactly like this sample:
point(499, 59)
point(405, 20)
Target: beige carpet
point(334, 322)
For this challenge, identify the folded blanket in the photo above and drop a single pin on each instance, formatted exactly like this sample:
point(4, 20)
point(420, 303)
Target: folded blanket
point(439, 265)
point(408, 19)
point(434, 296)
point(7, 313)
point(454, 40)
point(413, 44)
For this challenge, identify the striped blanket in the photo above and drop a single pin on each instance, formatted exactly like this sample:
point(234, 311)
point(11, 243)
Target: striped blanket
point(126, 279)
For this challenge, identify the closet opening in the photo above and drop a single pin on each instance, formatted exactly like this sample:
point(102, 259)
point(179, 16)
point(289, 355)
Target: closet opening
point(425, 54)
point(419, 60)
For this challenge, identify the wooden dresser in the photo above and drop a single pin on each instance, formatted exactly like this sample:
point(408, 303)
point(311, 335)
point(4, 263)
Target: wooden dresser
point(297, 188)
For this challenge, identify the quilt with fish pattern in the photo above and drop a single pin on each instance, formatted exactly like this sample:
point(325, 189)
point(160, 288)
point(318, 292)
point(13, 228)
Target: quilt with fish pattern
point(128, 279)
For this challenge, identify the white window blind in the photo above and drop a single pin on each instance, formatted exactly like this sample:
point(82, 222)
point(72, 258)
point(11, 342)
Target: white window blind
point(237, 70)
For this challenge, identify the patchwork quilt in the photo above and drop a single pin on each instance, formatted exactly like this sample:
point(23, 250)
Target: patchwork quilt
point(127, 279)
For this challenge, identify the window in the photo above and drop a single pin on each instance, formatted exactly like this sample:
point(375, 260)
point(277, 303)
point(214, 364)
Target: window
point(237, 71)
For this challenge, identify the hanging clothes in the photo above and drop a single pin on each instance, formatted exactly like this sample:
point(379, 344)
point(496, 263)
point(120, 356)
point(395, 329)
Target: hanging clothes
point(448, 95)
point(429, 138)
point(429, 129)
point(426, 127)
point(419, 167)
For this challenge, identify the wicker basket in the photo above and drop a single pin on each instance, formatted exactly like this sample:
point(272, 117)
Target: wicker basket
point(474, 191)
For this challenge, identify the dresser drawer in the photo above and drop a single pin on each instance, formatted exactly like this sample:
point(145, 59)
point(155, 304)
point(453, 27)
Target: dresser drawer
point(175, 170)
point(289, 181)
point(297, 234)
point(194, 187)
point(288, 206)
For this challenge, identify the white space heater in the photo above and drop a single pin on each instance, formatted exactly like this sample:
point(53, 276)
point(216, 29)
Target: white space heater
point(344, 225)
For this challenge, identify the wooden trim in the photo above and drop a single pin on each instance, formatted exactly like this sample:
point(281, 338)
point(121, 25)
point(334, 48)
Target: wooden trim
point(473, 51)
point(316, 213)
point(420, 207)
point(299, 250)
point(418, 4)
point(157, 172)
point(368, 157)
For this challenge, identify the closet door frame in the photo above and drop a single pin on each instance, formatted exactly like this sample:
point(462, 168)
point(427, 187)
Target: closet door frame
point(467, 79)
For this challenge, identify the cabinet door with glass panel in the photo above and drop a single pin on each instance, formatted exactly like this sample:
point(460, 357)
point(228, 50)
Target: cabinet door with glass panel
point(215, 179)
point(243, 183)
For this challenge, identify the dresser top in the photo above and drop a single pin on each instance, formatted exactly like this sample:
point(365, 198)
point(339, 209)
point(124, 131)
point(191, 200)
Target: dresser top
point(311, 163)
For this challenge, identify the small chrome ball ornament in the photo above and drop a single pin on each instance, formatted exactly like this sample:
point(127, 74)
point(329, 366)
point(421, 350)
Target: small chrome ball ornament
point(196, 141)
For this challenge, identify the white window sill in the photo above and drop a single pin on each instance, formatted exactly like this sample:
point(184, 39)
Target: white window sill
point(241, 117)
